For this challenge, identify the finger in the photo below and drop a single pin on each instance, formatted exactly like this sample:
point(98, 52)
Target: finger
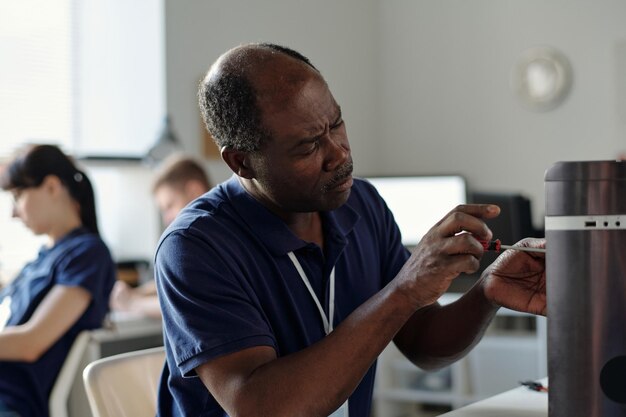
point(482, 211)
point(445, 267)
point(533, 243)
point(459, 254)
point(459, 221)
point(462, 244)
point(466, 243)
point(463, 263)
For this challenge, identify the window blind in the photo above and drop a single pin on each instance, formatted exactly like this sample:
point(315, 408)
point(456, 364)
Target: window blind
point(36, 79)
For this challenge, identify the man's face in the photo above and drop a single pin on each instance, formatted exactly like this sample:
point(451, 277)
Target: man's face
point(170, 200)
point(306, 164)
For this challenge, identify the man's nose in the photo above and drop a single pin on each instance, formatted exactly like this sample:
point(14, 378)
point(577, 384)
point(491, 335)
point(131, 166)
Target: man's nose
point(338, 151)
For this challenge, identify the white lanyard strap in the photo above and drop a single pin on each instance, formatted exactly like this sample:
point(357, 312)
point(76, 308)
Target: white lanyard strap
point(328, 321)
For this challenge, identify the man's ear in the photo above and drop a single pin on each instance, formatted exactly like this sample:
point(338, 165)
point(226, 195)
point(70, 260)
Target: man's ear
point(238, 161)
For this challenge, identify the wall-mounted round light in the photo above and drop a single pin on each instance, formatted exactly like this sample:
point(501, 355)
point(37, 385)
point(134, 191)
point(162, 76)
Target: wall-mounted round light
point(542, 78)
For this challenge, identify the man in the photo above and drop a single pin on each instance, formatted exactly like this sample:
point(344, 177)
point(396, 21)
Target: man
point(179, 181)
point(281, 286)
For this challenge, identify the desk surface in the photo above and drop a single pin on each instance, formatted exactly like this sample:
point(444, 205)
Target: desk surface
point(518, 402)
point(125, 326)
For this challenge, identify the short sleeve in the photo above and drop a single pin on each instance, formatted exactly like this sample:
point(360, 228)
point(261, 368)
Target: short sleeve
point(209, 308)
point(87, 264)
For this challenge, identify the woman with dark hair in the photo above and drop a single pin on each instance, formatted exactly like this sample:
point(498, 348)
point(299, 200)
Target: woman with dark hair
point(59, 294)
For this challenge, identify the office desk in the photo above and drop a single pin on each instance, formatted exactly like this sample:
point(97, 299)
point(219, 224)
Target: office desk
point(125, 332)
point(518, 402)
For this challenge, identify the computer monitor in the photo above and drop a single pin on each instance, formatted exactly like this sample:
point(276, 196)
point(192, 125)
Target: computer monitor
point(128, 217)
point(513, 223)
point(418, 202)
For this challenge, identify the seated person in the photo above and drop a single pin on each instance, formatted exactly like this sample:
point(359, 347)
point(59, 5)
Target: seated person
point(281, 286)
point(62, 292)
point(180, 180)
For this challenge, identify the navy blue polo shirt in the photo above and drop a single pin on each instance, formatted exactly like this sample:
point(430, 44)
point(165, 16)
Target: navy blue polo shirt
point(226, 283)
point(79, 259)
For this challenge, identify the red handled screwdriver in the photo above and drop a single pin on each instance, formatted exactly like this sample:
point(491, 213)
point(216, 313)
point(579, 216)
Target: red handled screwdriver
point(535, 386)
point(497, 246)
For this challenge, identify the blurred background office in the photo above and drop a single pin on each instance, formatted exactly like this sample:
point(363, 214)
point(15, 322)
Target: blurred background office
point(427, 87)
point(494, 92)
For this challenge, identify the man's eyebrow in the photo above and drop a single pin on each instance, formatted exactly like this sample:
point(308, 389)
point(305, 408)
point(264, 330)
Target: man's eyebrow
point(305, 141)
point(310, 139)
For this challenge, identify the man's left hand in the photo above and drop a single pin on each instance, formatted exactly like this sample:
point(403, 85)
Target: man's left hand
point(517, 280)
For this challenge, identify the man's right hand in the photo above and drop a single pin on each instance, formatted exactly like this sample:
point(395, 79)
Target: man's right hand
point(449, 248)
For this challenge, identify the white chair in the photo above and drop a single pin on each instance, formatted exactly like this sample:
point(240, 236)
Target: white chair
point(59, 396)
point(125, 385)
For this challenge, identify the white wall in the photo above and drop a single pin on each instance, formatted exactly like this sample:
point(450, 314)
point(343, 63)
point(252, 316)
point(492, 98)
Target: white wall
point(447, 101)
point(339, 38)
point(424, 85)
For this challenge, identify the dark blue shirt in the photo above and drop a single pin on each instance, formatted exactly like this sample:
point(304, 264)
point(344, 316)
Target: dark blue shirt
point(79, 259)
point(226, 283)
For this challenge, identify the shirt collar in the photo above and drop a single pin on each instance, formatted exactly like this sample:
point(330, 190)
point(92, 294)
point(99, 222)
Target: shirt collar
point(71, 234)
point(272, 230)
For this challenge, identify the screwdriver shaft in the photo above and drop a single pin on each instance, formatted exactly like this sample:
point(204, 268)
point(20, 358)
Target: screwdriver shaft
point(497, 246)
point(523, 248)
